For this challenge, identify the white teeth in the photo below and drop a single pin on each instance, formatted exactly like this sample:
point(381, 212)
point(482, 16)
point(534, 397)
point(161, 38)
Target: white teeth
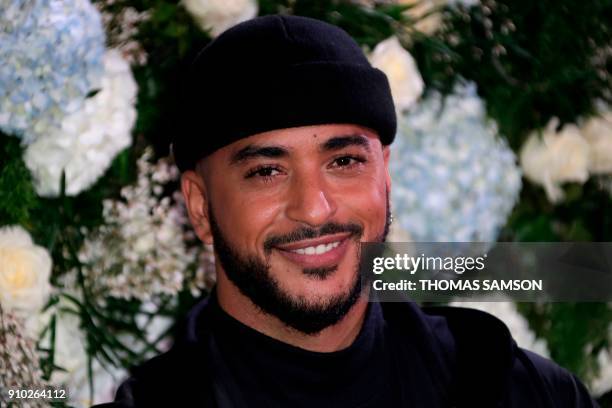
point(318, 250)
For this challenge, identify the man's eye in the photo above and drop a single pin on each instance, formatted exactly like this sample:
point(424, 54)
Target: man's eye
point(347, 161)
point(265, 172)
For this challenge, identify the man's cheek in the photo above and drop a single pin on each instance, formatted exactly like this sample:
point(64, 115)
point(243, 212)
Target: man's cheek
point(253, 205)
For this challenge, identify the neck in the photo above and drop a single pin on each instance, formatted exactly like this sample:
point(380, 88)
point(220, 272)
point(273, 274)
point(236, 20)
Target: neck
point(333, 338)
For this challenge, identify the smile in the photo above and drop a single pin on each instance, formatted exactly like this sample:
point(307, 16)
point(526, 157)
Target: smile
point(318, 250)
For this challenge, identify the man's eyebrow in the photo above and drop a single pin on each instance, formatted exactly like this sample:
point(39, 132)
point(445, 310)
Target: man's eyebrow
point(340, 142)
point(252, 151)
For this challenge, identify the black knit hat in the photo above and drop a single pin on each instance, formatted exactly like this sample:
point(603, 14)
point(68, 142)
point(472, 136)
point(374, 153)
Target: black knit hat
point(277, 72)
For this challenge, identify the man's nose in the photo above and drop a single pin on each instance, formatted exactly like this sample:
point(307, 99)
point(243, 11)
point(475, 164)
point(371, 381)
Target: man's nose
point(310, 200)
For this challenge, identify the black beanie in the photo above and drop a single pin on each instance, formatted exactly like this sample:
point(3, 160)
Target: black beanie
point(277, 72)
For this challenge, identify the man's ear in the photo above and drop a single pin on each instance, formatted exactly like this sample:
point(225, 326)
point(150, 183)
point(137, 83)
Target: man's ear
point(386, 157)
point(196, 201)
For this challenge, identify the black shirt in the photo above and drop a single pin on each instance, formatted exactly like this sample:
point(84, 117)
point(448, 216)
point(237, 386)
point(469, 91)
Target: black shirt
point(404, 356)
point(257, 370)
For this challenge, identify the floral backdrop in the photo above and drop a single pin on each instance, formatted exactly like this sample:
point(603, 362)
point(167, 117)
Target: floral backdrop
point(505, 133)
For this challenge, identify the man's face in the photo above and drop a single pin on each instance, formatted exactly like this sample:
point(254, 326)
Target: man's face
point(286, 210)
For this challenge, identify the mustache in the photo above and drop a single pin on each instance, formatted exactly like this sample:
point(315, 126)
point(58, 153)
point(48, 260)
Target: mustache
point(300, 234)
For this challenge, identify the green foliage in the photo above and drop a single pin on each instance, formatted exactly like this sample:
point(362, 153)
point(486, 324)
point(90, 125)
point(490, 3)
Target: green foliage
point(575, 332)
point(367, 25)
point(584, 215)
point(17, 195)
point(171, 40)
point(60, 223)
point(532, 60)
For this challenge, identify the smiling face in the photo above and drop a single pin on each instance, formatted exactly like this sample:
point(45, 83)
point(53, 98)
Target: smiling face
point(286, 210)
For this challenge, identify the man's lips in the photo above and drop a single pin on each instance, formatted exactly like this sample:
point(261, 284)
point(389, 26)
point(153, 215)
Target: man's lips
point(317, 252)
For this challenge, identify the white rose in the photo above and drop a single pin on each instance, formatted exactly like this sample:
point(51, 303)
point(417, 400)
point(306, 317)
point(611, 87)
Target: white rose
point(90, 138)
point(552, 158)
point(423, 13)
point(598, 133)
point(25, 269)
point(404, 77)
point(426, 14)
point(219, 15)
point(603, 383)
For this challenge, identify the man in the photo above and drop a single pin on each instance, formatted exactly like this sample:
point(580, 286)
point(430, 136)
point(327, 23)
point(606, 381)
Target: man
point(285, 174)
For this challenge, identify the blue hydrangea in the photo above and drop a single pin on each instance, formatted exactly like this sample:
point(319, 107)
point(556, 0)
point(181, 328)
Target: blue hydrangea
point(51, 53)
point(454, 179)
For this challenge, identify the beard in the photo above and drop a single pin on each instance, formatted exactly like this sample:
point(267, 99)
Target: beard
point(252, 277)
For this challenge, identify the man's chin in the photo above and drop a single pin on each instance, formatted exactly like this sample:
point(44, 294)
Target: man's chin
point(310, 304)
point(310, 314)
point(326, 282)
point(317, 294)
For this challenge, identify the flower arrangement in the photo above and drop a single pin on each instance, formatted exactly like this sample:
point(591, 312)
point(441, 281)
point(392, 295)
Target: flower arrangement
point(25, 272)
point(454, 178)
point(217, 16)
point(570, 154)
point(51, 54)
point(97, 260)
point(404, 78)
point(19, 365)
point(87, 141)
point(141, 251)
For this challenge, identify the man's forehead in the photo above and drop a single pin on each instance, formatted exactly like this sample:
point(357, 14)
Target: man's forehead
point(277, 143)
point(317, 135)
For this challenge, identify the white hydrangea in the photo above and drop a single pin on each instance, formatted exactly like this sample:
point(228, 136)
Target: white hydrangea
point(454, 178)
point(88, 139)
point(217, 16)
point(516, 322)
point(51, 53)
point(106, 380)
point(155, 329)
point(402, 72)
point(70, 347)
point(71, 355)
point(142, 250)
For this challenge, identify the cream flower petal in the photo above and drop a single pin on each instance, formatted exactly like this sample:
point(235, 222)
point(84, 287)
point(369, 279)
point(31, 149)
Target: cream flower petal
point(25, 269)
